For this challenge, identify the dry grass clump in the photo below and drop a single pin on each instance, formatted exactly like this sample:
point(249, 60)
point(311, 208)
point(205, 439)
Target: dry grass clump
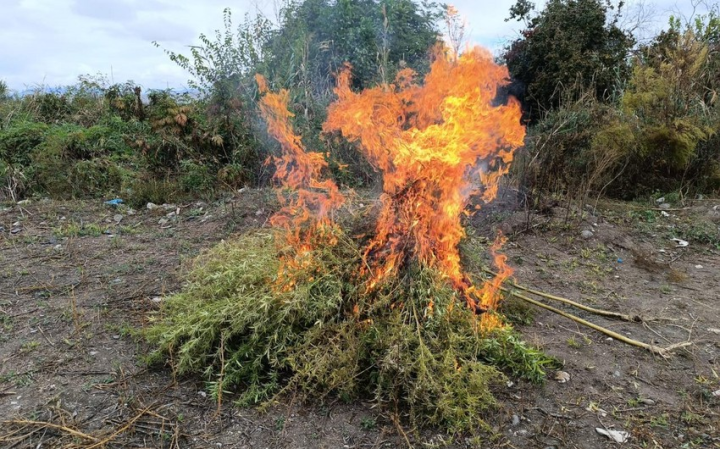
point(410, 345)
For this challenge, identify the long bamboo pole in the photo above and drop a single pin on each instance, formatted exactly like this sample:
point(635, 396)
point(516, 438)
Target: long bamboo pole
point(607, 313)
point(663, 352)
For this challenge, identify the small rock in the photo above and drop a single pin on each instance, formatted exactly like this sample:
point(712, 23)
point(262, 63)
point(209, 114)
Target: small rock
point(151, 206)
point(57, 247)
point(202, 393)
point(716, 393)
point(586, 234)
point(660, 200)
point(647, 401)
point(616, 373)
point(699, 267)
point(116, 337)
point(665, 206)
point(156, 299)
point(117, 218)
point(93, 353)
point(515, 420)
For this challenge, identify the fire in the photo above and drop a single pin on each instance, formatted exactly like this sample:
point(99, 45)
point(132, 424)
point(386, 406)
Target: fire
point(436, 144)
point(307, 214)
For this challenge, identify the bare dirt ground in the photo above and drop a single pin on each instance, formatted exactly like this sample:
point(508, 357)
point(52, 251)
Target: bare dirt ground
point(77, 279)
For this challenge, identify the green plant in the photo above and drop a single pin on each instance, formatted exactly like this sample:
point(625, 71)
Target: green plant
point(241, 327)
point(368, 423)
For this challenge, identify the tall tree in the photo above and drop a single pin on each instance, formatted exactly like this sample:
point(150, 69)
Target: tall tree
point(570, 43)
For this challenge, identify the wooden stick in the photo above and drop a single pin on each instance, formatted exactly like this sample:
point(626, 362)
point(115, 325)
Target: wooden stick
point(663, 352)
point(117, 432)
point(601, 312)
point(76, 433)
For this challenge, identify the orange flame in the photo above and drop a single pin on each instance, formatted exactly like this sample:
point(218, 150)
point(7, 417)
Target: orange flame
point(436, 144)
point(307, 213)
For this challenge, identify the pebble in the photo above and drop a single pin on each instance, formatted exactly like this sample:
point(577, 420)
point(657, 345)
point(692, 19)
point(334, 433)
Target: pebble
point(586, 234)
point(151, 206)
point(699, 267)
point(515, 420)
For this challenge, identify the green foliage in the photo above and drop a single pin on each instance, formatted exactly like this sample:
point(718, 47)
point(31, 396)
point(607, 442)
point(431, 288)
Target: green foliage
point(18, 140)
point(660, 134)
point(195, 177)
point(244, 329)
point(578, 148)
point(569, 44)
point(146, 188)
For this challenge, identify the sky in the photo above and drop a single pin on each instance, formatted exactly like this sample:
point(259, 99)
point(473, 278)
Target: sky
point(51, 42)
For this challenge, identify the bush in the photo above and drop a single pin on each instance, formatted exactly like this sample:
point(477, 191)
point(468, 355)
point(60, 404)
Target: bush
point(19, 140)
point(147, 188)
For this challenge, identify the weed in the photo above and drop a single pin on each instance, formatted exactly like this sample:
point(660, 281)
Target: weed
point(279, 424)
point(29, 346)
point(659, 420)
point(73, 229)
point(573, 343)
point(368, 423)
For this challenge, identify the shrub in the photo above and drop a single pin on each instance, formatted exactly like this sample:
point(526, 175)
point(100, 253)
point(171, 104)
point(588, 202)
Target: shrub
point(19, 140)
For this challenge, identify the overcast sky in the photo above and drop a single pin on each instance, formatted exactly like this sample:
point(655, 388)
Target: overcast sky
point(52, 42)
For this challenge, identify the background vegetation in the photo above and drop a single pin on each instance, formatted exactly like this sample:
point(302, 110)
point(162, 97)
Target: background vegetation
point(606, 115)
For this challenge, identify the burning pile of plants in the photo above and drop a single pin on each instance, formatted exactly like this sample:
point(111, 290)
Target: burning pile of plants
point(312, 308)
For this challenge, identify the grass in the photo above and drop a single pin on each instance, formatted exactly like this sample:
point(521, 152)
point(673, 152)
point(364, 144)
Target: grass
point(327, 336)
point(73, 229)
